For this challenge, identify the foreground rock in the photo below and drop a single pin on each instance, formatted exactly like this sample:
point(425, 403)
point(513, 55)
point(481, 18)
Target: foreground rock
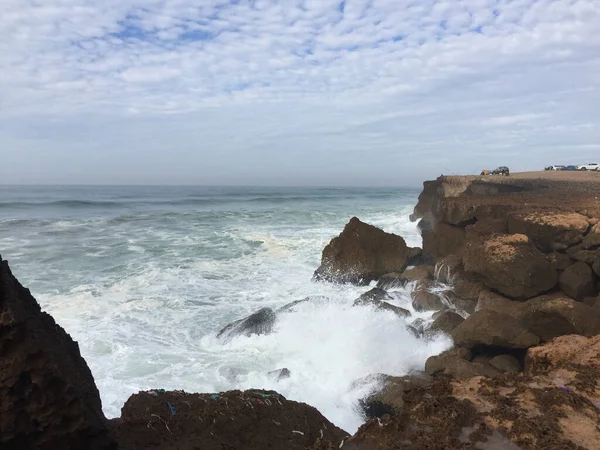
point(380, 299)
point(248, 420)
point(554, 405)
point(48, 399)
point(362, 253)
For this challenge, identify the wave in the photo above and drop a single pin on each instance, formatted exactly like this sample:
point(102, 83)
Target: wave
point(61, 203)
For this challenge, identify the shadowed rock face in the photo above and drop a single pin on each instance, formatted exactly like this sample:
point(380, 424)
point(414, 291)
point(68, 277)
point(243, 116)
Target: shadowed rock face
point(261, 322)
point(248, 420)
point(362, 253)
point(48, 398)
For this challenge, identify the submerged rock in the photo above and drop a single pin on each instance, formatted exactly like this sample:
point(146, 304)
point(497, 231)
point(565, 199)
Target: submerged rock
point(261, 322)
point(291, 307)
point(48, 398)
point(280, 374)
point(241, 420)
point(362, 253)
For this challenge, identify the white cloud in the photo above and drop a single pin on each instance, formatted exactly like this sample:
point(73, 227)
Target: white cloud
point(411, 83)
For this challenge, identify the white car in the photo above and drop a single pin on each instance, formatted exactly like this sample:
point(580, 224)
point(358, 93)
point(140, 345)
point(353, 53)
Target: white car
point(556, 167)
point(589, 166)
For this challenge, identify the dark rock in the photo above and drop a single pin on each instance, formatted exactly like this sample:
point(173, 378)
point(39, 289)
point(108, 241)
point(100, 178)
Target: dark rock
point(397, 280)
point(596, 266)
point(261, 322)
point(280, 374)
point(439, 363)
point(447, 269)
point(506, 363)
point(415, 256)
point(550, 232)
point(578, 281)
point(375, 297)
point(443, 240)
point(511, 265)
point(362, 253)
point(462, 370)
point(592, 240)
point(238, 420)
point(488, 226)
point(291, 307)
point(493, 329)
point(446, 322)
point(48, 398)
point(559, 261)
point(389, 399)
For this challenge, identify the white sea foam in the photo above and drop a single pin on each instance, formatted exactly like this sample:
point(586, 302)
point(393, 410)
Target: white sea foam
point(145, 295)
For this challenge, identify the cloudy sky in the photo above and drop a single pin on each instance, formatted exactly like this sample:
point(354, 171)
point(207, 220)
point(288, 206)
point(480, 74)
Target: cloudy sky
point(294, 92)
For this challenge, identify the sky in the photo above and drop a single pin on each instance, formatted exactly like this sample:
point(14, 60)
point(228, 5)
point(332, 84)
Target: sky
point(295, 92)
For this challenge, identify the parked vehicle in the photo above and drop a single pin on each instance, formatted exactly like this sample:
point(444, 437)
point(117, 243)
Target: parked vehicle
point(570, 168)
point(486, 172)
point(555, 167)
point(589, 166)
point(502, 170)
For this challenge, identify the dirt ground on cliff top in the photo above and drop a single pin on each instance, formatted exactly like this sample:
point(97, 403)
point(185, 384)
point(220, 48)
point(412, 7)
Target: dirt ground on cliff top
point(559, 191)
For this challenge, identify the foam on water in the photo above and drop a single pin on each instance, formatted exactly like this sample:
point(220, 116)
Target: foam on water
point(144, 291)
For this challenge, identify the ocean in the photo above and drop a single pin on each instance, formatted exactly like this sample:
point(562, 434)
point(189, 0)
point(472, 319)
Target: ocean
point(144, 277)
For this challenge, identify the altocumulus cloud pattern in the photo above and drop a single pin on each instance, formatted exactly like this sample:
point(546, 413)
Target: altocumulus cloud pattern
point(288, 88)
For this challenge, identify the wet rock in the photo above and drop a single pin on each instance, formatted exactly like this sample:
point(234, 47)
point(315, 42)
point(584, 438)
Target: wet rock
point(291, 307)
point(238, 420)
point(261, 322)
point(438, 363)
point(446, 322)
point(397, 280)
point(280, 374)
point(362, 253)
point(389, 399)
point(578, 281)
point(493, 329)
point(550, 232)
point(506, 363)
point(48, 398)
point(376, 297)
point(511, 265)
point(448, 269)
point(425, 300)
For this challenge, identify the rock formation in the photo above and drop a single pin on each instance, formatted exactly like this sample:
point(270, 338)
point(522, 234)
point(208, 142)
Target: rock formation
point(363, 253)
point(48, 398)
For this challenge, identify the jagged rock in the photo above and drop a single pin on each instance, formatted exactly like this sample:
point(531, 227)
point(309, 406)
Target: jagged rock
point(424, 299)
point(394, 280)
point(247, 420)
point(493, 329)
point(291, 307)
point(377, 297)
point(506, 363)
point(261, 322)
point(439, 363)
point(546, 316)
point(488, 226)
point(550, 232)
point(280, 374)
point(362, 253)
point(389, 399)
point(446, 321)
point(48, 398)
point(511, 265)
point(578, 281)
point(415, 256)
point(592, 240)
point(447, 269)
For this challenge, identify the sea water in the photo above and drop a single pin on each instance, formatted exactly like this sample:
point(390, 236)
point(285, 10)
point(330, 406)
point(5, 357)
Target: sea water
point(144, 277)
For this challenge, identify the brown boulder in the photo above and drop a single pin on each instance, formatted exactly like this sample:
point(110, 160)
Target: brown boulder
point(426, 300)
point(493, 329)
point(488, 226)
point(438, 363)
point(511, 265)
point(362, 253)
point(578, 281)
point(547, 316)
point(551, 231)
point(48, 398)
point(448, 268)
point(446, 321)
point(559, 261)
point(241, 420)
point(506, 363)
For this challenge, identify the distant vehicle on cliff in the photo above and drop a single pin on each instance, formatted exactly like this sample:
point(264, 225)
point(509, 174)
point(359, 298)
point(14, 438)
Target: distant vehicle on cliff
point(555, 167)
point(569, 168)
point(589, 166)
point(502, 170)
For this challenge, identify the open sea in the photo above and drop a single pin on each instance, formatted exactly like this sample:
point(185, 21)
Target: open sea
point(144, 277)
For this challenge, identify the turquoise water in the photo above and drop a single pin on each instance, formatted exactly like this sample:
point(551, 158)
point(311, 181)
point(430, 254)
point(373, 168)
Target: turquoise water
point(143, 278)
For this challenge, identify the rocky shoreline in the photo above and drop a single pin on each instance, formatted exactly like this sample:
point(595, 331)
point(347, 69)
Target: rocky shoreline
point(509, 269)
